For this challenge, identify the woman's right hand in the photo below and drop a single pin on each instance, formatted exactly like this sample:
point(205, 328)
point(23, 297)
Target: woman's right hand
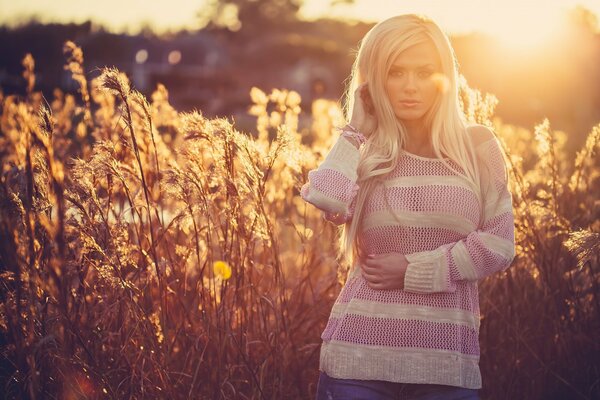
point(363, 113)
point(336, 218)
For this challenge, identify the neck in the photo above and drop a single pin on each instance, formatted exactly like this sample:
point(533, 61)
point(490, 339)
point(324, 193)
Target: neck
point(418, 139)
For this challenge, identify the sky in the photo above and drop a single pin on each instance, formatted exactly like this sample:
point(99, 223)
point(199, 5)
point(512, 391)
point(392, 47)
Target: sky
point(508, 20)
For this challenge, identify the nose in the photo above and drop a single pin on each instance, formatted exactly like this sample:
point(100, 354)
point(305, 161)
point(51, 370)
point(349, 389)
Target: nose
point(410, 86)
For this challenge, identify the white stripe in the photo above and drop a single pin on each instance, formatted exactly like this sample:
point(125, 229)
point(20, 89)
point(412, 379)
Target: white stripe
point(343, 157)
point(348, 170)
point(504, 247)
point(384, 351)
point(426, 219)
point(463, 261)
point(493, 209)
point(406, 311)
point(324, 202)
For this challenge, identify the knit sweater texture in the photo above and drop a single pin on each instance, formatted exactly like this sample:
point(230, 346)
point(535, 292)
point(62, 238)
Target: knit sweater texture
point(427, 332)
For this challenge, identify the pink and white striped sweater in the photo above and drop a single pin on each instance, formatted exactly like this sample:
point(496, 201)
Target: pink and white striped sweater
point(427, 332)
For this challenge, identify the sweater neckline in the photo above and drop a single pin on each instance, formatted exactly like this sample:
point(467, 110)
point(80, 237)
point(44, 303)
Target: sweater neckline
point(424, 158)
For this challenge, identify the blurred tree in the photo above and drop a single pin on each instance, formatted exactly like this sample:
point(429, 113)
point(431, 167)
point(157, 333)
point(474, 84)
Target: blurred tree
point(584, 19)
point(232, 14)
point(341, 2)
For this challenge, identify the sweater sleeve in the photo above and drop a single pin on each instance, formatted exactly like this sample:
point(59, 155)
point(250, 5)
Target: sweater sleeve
point(332, 186)
point(483, 252)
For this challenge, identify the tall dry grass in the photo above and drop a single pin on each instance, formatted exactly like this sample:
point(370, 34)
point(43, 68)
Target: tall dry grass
point(148, 253)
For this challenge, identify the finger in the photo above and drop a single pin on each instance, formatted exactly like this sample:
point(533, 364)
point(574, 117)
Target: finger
point(373, 285)
point(370, 280)
point(370, 276)
point(366, 271)
point(336, 218)
point(371, 263)
point(365, 267)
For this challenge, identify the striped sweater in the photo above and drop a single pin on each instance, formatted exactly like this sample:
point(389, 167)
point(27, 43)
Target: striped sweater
point(427, 332)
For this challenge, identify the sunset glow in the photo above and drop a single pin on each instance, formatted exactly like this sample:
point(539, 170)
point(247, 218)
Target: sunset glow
point(516, 24)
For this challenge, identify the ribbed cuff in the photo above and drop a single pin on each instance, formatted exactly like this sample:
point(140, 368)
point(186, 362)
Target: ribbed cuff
point(423, 272)
point(419, 277)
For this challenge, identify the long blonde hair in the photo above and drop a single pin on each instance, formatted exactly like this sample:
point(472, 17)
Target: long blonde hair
point(445, 119)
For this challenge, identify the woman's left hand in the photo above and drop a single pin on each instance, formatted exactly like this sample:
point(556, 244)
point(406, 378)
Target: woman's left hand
point(384, 271)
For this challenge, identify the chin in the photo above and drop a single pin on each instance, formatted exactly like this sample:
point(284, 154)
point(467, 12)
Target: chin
point(409, 116)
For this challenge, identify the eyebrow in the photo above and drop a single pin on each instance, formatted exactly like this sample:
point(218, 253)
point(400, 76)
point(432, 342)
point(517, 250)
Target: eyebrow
point(420, 66)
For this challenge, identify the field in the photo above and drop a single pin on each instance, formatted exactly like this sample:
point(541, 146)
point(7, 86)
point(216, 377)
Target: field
point(151, 253)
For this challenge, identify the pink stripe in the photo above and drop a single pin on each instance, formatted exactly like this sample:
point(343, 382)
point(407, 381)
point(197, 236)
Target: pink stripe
point(501, 189)
point(406, 239)
point(402, 333)
point(409, 166)
point(484, 259)
point(333, 184)
point(452, 267)
point(348, 291)
point(496, 163)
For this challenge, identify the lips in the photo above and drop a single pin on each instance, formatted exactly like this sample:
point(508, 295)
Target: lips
point(409, 103)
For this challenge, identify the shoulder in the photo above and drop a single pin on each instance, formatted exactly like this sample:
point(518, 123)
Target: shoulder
point(488, 149)
point(480, 134)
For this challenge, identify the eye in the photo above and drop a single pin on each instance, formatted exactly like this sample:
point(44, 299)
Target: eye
point(396, 73)
point(425, 74)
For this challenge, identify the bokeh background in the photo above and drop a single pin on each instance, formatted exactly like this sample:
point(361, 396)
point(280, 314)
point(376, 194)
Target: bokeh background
point(153, 243)
point(539, 58)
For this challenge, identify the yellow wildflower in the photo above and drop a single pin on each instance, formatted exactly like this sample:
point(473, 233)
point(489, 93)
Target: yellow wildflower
point(222, 269)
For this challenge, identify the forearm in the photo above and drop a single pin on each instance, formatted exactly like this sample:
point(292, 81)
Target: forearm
point(332, 186)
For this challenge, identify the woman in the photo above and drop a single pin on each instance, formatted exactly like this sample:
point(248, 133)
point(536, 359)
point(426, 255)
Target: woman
point(426, 213)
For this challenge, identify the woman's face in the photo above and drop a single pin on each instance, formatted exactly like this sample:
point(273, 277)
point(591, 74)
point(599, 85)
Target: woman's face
point(412, 78)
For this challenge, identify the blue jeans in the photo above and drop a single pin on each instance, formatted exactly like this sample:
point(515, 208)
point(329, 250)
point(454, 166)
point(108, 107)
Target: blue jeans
point(329, 388)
